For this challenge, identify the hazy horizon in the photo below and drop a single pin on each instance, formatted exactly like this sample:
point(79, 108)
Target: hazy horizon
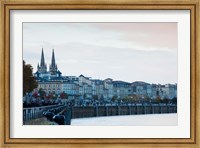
point(121, 51)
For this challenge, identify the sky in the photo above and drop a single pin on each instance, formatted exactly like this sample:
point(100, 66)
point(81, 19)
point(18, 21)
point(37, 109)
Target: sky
point(121, 51)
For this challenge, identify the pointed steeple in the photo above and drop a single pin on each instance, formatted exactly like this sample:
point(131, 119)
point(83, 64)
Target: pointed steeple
point(53, 63)
point(42, 68)
point(53, 66)
point(42, 63)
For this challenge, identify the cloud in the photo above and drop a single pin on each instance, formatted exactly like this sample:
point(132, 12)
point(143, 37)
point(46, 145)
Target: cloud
point(122, 51)
point(163, 35)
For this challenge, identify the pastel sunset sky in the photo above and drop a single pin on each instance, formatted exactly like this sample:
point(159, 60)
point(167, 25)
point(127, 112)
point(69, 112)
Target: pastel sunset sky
point(121, 51)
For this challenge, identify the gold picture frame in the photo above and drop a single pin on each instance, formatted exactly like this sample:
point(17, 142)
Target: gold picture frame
point(7, 5)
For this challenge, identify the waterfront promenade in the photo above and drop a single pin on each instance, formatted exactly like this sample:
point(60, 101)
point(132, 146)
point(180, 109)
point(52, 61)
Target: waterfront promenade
point(99, 111)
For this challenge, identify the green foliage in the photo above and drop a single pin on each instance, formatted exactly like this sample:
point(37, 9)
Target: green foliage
point(114, 98)
point(158, 99)
point(174, 100)
point(146, 98)
point(42, 92)
point(131, 99)
point(55, 96)
point(29, 82)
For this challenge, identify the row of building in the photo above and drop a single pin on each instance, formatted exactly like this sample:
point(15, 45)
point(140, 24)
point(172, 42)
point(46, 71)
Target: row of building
point(83, 87)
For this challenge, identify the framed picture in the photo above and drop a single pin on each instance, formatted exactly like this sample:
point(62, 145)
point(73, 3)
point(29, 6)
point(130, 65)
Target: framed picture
point(100, 73)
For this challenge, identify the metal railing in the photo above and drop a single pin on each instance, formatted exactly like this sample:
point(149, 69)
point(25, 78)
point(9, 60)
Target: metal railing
point(36, 112)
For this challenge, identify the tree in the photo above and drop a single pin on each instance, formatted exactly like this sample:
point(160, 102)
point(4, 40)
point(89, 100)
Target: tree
point(114, 98)
point(165, 100)
point(127, 99)
point(84, 96)
point(35, 95)
point(63, 95)
point(135, 98)
point(29, 82)
point(55, 96)
point(158, 100)
point(101, 97)
point(42, 93)
point(50, 96)
point(131, 99)
point(95, 97)
point(147, 99)
point(174, 100)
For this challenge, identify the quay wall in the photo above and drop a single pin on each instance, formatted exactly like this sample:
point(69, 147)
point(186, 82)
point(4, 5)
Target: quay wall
point(97, 111)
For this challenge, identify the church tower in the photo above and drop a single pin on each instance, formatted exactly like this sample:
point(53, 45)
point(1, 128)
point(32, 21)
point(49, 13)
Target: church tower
point(53, 66)
point(43, 67)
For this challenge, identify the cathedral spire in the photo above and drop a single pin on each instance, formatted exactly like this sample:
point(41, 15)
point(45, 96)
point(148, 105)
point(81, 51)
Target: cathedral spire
point(53, 63)
point(42, 68)
point(53, 66)
point(42, 63)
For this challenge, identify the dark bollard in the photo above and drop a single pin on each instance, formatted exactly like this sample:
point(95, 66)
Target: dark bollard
point(68, 115)
point(56, 111)
point(59, 119)
point(52, 110)
point(44, 113)
point(49, 115)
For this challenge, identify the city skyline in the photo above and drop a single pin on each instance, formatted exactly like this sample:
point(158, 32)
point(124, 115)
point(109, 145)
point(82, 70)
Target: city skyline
point(106, 50)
